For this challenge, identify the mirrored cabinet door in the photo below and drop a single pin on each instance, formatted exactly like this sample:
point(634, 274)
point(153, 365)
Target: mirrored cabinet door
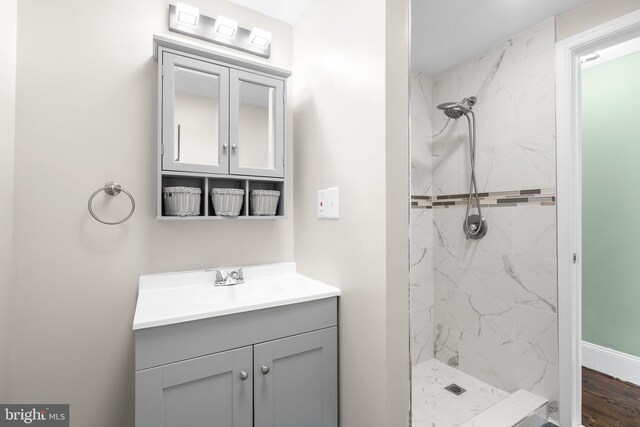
point(195, 115)
point(257, 125)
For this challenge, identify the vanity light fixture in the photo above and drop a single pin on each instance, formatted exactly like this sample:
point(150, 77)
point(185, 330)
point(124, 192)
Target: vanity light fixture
point(187, 14)
point(187, 20)
point(226, 27)
point(260, 37)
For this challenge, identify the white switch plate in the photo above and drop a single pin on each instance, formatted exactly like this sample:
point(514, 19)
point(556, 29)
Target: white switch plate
point(333, 203)
point(321, 204)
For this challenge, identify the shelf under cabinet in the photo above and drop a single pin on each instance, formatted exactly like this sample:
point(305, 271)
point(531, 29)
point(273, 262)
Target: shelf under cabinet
point(219, 218)
point(207, 182)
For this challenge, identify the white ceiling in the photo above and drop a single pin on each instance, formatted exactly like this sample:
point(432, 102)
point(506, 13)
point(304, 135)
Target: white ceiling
point(288, 11)
point(445, 33)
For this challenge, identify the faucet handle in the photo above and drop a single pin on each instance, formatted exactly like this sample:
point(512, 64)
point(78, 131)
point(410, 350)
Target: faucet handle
point(235, 278)
point(219, 278)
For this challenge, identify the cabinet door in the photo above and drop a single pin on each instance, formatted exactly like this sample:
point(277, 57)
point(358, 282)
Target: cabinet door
point(195, 115)
point(204, 392)
point(257, 125)
point(296, 381)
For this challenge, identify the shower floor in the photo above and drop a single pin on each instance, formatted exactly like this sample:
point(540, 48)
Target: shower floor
point(433, 406)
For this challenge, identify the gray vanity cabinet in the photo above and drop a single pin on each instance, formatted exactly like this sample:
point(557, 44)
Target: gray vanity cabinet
point(215, 390)
point(295, 381)
point(275, 367)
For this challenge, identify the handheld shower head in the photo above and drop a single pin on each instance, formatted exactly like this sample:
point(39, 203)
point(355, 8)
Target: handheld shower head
point(475, 226)
point(455, 110)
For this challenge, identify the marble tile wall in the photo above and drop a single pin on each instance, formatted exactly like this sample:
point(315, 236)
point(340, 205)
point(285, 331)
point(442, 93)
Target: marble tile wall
point(421, 251)
point(496, 298)
point(491, 303)
point(515, 86)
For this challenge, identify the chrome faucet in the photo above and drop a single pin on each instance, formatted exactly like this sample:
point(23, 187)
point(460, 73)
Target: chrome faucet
point(233, 278)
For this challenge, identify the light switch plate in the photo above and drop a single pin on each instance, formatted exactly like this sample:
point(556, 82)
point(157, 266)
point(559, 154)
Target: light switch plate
point(333, 203)
point(321, 204)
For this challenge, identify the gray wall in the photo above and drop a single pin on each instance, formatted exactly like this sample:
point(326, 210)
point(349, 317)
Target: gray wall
point(86, 114)
point(7, 133)
point(397, 211)
point(343, 132)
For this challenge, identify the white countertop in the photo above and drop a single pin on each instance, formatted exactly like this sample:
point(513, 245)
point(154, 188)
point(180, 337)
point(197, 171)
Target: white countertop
point(168, 298)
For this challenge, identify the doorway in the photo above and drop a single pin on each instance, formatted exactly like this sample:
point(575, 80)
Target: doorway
point(598, 173)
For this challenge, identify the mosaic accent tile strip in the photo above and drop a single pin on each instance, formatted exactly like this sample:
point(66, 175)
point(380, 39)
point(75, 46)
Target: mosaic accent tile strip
point(540, 197)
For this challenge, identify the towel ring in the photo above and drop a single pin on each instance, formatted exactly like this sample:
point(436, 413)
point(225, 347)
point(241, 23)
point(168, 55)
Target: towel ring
point(112, 189)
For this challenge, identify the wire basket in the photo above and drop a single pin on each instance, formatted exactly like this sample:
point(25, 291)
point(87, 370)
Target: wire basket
point(181, 201)
point(264, 202)
point(227, 201)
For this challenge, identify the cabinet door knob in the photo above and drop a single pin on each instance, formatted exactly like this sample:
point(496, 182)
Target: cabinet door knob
point(224, 147)
point(234, 147)
point(243, 375)
point(265, 370)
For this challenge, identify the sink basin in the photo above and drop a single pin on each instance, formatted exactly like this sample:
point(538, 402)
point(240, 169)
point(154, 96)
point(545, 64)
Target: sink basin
point(169, 298)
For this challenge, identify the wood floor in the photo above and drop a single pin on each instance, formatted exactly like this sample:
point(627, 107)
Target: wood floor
point(608, 402)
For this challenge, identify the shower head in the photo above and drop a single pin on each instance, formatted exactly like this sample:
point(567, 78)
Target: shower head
point(455, 110)
point(475, 226)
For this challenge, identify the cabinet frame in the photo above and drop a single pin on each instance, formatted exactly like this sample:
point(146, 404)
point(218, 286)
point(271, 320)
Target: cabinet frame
point(236, 77)
point(162, 44)
point(266, 402)
point(169, 63)
point(151, 385)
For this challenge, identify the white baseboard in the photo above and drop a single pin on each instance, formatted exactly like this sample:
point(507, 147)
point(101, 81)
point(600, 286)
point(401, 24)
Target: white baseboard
point(611, 362)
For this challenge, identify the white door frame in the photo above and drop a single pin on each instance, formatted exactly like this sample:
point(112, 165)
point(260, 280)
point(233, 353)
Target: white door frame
point(569, 186)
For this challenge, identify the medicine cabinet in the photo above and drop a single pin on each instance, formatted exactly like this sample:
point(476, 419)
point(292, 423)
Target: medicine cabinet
point(221, 123)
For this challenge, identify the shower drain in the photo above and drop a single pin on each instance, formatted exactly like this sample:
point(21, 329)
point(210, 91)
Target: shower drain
point(455, 389)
